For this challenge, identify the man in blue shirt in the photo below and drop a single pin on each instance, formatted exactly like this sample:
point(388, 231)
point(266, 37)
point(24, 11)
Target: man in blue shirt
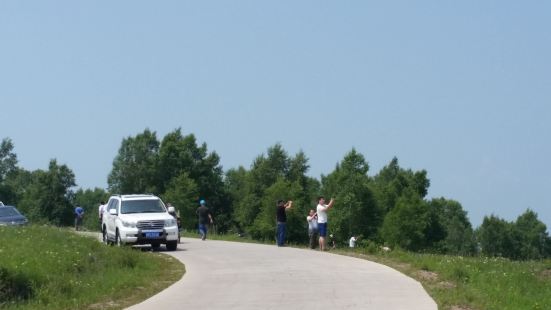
point(79, 215)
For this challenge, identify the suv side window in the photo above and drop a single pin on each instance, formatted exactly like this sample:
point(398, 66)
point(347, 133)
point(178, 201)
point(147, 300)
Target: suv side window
point(112, 204)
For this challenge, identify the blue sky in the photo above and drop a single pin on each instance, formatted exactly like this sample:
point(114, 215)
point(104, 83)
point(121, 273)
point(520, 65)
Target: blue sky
point(459, 88)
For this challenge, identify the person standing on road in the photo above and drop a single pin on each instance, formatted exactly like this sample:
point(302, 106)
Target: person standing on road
point(205, 218)
point(312, 219)
point(281, 217)
point(79, 215)
point(322, 209)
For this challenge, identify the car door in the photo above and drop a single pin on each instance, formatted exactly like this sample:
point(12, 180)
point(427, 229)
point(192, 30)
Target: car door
point(110, 223)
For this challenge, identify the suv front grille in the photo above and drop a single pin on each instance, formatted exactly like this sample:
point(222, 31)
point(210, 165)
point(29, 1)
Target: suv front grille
point(159, 224)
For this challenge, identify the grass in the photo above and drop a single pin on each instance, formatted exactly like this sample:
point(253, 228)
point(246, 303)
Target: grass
point(472, 282)
point(456, 282)
point(52, 268)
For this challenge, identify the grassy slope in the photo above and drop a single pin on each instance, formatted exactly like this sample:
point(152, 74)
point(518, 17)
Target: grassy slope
point(473, 282)
point(51, 268)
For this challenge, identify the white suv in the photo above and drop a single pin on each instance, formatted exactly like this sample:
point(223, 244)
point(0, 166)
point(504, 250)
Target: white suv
point(139, 219)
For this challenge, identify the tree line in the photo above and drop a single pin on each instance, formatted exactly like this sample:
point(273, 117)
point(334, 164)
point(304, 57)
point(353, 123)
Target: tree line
point(387, 208)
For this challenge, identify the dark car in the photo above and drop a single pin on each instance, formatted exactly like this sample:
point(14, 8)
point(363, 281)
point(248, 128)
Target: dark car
point(10, 216)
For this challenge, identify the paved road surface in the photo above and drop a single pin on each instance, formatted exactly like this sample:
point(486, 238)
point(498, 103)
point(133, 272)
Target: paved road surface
point(229, 275)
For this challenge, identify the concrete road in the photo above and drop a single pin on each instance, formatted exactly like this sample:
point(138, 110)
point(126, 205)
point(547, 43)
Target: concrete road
point(229, 275)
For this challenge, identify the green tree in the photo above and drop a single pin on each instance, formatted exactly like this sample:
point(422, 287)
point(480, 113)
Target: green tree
point(48, 198)
point(134, 167)
point(237, 184)
point(495, 236)
point(530, 236)
point(183, 193)
point(273, 176)
point(392, 181)
point(179, 154)
point(8, 166)
point(355, 211)
point(450, 229)
point(15, 185)
point(406, 224)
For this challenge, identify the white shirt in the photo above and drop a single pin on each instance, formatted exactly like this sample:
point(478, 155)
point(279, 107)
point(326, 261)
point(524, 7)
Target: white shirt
point(101, 208)
point(352, 242)
point(312, 223)
point(322, 213)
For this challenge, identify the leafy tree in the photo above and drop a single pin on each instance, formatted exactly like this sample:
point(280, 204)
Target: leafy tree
point(15, 186)
point(450, 230)
point(178, 155)
point(530, 236)
point(8, 159)
point(273, 176)
point(406, 224)
point(48, 197)
point(355, 210)
point(8, 165)
point(495, 237)
point(134, 167)
point(183, 193)
point(392, 181)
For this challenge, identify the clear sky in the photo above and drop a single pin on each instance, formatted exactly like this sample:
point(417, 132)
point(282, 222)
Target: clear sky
point(459, 88)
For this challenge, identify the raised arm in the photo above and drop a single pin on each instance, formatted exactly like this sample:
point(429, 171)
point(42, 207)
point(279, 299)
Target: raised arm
point(331, 202)
point(289, 204)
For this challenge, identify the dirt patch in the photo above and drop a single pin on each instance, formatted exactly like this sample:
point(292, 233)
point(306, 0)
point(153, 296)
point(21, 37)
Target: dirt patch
point(425, 275)
point(446, 285)
point(460, 308)
point(106, 305)
point(546, 274)
point(401, 266)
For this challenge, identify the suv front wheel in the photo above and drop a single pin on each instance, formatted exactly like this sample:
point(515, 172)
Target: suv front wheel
point(172, 245)
point(118, 239)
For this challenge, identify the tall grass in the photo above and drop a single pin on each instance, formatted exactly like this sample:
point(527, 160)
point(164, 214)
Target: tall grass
point(53, 268)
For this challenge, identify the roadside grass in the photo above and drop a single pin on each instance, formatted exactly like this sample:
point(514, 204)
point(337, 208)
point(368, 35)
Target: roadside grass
point(460, 283)
point(457, 282)
point(45, 267)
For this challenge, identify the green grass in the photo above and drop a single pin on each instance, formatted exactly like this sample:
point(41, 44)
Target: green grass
point(473, 282)
point(462, 282)
point(52, 268)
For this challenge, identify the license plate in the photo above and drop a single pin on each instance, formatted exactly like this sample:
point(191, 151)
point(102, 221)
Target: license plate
point(152, 235)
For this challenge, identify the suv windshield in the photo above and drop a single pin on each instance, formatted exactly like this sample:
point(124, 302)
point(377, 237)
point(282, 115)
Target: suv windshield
point(8, 211)
point(142, 206)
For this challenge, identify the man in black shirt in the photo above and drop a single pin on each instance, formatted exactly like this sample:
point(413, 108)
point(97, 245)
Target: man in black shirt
point(282, 207)
point(204, 218)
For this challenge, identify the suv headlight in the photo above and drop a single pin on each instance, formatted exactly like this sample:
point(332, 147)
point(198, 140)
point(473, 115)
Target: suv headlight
point(170, 223)
point(128, 224)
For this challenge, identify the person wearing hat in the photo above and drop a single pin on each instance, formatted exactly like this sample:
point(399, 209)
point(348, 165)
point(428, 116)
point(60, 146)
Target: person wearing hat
point(281, 218)
point(205, 218)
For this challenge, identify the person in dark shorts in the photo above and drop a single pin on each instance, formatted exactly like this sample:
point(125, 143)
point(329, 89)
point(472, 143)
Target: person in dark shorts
point(205, 218)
